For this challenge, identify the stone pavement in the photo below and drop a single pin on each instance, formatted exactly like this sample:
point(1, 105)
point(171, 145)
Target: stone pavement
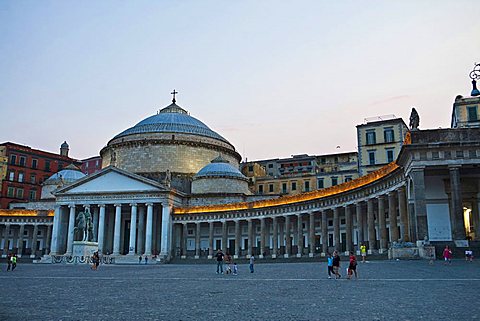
point(386, 290)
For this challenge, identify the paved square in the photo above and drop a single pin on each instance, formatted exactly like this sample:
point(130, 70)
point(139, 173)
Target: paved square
point(386, 290)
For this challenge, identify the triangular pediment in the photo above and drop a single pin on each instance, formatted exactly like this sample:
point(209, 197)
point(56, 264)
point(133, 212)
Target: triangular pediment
point(111, 180)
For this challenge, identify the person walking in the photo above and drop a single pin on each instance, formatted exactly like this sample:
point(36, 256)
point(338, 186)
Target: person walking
point(9, 261)
point(352, 266)
point(363, 252)
point(146, 259)
point(252, 263)
point(235, 269)
point(219, 257)
point(447, 255)
point(330, 265)
point(139, 259)
point(336, 265)
point(14, 261)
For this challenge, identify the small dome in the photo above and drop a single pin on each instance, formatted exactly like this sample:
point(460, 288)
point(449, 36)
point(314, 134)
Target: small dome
point(172, 119)
point(68, 175)
point(64, 145)
point(220, 167)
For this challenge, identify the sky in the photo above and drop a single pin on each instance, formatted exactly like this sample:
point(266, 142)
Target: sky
point(275, 78)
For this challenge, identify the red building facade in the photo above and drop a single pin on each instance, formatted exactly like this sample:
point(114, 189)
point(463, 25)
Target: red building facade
point(91, 165)
point(25, 169)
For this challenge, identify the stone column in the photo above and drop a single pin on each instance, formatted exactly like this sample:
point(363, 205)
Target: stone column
point(418, 220)
point(348, 229)
point(141, 230)
point(382, 226)
point(101, 229)
point(165, 249)
point(20, 240)
point(238, 239)
point(288, 242)
point(324, 233)
point(336, 229)
point(5, 240)
point(116, 233)
point(392, 216)
point(34, 241)
point(311, 234)
point(262, 237)
point(456, 204)
point(210, 240)
point(250, 238)
point(372, 239)
point(95, 224)
point(274, 237)
point(359, 214)
point(224, 237)
point(184, 240)
point(197, 239)
point(149, 230)
point(133, 229)
point(402, 208)
point(71, 226)
point(56, 231)
point(48, 238)
point(299, 235)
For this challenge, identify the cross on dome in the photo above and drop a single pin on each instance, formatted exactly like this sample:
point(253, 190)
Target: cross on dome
point(174, 92)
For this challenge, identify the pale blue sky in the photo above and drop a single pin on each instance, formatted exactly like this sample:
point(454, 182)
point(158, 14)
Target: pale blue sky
point(275, 78)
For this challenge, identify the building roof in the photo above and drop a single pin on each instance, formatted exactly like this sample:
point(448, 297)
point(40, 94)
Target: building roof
point(219, 167)
point(172, 119)
point(68, 175)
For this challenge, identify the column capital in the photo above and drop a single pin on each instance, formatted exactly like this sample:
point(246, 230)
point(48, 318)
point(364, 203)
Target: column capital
point(133, 204)
point(101, 205)
point(149, 204)
point(454, 167)
point(86, 206)
point(117, 205)
point(71, 205)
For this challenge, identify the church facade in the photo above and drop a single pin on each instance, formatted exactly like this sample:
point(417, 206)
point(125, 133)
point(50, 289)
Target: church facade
point(170, 187)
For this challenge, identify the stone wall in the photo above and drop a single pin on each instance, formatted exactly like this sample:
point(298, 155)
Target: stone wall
point(220, 185)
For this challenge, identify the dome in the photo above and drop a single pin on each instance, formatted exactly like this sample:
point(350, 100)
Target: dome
point(68, 175)
point(219, 167)
point(172, 119)
point(64, 145)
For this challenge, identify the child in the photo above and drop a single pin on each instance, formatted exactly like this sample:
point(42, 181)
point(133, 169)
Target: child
point(447, 255)
point(235, 268)
point(469, 255)
point(330, 265)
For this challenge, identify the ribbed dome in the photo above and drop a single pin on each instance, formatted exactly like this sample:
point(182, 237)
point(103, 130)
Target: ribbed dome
point(172, 119)
point(219, 167)
point(68, 175)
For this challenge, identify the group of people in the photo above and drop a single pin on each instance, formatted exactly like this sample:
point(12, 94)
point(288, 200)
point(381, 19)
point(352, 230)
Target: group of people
point(448, 254)
point(11, 261)
point(333, 265)
point(231, 268)
point(140, 259)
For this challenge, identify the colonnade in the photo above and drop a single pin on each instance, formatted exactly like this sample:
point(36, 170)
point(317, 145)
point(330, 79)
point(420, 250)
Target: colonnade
point(375, 222)
point(26, 238)
point(119, 228)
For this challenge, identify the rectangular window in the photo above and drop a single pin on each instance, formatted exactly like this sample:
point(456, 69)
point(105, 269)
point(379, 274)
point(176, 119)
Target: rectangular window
point(307, 186)
point(33, 179)
point(86, 164)
point(371, 158)
point(472, 113)
point(19, 192)
point(270, 188)
point(33, 195)
point(20, 177)
point(284, 188)
point(348, 178)
point(13, 159)
point(250, 168)
point(22, 161)
point(334, 181)
point(34, 163)
point(320, 183)
point(260, 189)
point(11, 192)
point(270, 165)
point(388, 135)
point(47, 165)
point(294, 186)
point(371, 138)
point(60, 167)
point(11, 176)
point(96, 163)
point(389, 155)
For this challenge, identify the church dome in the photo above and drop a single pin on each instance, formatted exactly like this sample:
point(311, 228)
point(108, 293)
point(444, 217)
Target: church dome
point(220, 167)
point(66, 176)
point(172, 119)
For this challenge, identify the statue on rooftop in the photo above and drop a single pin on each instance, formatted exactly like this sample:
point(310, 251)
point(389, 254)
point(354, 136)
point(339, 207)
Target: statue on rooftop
point(414, 119)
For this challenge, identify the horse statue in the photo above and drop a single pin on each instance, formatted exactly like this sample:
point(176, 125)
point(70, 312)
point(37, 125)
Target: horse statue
point(84, 226)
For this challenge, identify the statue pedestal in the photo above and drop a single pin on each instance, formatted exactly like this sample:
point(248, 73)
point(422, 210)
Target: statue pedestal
point(84, 248)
